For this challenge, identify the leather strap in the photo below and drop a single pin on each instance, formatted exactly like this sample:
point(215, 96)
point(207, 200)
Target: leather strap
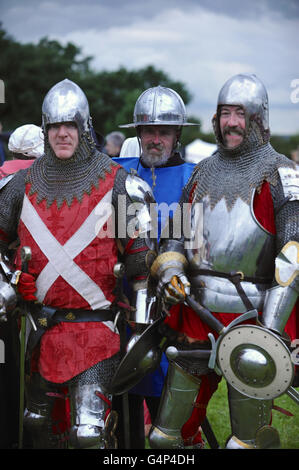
point(236, 277)
point(209, 272)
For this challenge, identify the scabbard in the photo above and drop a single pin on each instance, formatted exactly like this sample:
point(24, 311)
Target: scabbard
point(22, 378)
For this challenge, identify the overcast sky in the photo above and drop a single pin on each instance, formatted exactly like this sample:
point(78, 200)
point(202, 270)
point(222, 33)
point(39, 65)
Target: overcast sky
point(199, 42)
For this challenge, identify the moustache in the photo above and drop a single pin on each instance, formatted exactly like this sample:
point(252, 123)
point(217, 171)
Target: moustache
point(155, 146)
point(236, 130)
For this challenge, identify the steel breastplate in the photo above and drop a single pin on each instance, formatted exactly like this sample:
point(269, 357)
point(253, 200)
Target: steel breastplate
point(232, 240)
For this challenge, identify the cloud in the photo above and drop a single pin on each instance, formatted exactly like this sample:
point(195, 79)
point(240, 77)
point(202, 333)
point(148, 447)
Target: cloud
point(202, 49)
point(201, 43)
point(58, 16)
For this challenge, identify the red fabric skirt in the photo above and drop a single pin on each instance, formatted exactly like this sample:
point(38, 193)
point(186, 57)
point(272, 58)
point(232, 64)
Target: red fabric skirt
point(68, 349)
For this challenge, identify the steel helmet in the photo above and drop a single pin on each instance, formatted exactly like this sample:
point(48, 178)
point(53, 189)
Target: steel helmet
point(27, 140)
point(248, 91)
point(159, 106)
point(66, 102)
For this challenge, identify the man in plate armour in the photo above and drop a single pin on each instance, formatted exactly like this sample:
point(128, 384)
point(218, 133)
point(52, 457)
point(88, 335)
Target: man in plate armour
point(233, 279)
point(69, 211)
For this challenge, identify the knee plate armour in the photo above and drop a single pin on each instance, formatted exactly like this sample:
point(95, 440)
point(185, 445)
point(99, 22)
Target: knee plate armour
point(37, 415)
point(89, 407)
point(175, 408)
point(250, 420)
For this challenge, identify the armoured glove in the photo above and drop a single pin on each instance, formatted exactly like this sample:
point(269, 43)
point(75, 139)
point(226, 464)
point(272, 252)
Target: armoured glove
point(281, 299)
point(173, 284)
point(26, 286)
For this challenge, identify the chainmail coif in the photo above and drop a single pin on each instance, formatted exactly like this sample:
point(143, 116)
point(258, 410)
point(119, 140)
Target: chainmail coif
point(235, 173)
point(59, 180)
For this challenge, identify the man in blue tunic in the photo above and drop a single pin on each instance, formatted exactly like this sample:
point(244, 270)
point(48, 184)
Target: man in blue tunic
point(159, 116)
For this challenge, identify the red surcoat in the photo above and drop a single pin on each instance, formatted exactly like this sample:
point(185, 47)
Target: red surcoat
point(70, 348)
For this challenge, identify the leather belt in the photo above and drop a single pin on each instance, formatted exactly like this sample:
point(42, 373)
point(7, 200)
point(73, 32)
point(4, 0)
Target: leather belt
point(46, 317)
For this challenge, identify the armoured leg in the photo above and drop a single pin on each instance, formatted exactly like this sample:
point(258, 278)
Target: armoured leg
point(89, 407)
point(250, 422)
point(37, 416)
point(179, 394)
point(92, 422)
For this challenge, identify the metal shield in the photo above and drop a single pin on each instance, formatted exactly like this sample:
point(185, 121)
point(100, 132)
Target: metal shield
point(255, 361)
point(142, 358)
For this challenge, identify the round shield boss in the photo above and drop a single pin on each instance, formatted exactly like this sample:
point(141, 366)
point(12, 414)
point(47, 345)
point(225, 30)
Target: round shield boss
point(255, 361)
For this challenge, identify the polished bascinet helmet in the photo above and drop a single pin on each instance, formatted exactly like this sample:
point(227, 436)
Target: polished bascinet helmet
point(66, 102)
point(159, 106)
point(248, 91)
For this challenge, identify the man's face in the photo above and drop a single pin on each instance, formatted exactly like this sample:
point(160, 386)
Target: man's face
point(232, 125)
point(111, 149)
point(157, 143)
point(63, 138)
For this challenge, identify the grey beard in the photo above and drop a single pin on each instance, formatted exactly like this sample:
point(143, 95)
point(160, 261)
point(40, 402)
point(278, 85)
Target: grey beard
point(153, 160)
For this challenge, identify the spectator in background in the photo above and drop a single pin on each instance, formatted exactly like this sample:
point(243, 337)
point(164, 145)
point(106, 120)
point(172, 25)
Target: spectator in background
point(295, 155)
point(4, 136)
point(114, 142)
point(130, 148)
point(26, 144)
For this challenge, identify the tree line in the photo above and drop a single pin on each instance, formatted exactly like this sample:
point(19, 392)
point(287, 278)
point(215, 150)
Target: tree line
point(30, 70)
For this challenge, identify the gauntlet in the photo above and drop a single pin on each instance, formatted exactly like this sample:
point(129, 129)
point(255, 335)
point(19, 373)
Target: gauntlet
point(169, 269)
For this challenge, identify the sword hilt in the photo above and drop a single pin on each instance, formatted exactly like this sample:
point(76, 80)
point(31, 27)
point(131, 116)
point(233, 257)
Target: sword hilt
point(173, 353)
point(25, 257)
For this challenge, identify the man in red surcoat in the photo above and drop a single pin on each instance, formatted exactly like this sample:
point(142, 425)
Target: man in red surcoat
point(70, 209)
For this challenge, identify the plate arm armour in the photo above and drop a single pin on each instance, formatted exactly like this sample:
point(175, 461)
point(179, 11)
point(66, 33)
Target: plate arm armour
point(281, 298)
point(133, 198)
point(170, 266)
point(11, 200)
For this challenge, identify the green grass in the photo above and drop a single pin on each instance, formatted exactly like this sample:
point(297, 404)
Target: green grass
point(288, 427)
